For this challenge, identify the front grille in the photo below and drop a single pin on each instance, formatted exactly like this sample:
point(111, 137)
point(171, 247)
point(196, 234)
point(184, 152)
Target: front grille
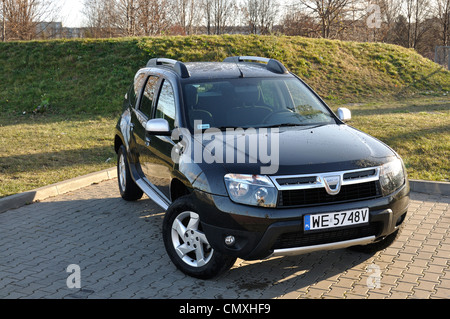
point(301, 239)
point(359, 174)
point(296, 181)
point(319, 196)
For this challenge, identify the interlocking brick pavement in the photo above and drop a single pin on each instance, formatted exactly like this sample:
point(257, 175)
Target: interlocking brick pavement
point(119, 249)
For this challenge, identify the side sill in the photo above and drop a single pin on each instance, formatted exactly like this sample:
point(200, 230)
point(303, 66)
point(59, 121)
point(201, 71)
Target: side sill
point(153, 195)
point(146, 187)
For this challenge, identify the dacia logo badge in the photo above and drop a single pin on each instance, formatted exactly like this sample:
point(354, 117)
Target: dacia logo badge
point(332, 184)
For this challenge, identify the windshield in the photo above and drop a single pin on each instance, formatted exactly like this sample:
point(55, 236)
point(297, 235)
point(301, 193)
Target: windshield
point(253, 102)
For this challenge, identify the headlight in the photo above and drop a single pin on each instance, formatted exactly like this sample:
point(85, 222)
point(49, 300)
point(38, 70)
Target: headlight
point(252, 190)
point(392, 176)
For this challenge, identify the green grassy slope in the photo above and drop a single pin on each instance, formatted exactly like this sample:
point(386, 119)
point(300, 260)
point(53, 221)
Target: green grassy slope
point(91, 76)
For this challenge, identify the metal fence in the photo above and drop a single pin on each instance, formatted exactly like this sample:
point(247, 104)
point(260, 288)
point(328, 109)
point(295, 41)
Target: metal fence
point(442, 56)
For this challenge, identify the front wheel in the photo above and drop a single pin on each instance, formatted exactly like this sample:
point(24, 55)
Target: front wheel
point(187, 245)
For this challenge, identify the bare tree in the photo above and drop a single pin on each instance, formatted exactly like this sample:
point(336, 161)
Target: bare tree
point(185, 14)
point(3, 16)
point(101, 16)
point(126, 19)
point(153, 17)
point(206, 7)
point(251, 12)
point(260, 15)
point(330, 13)
point(377, 19)
point(113, 18)
point(19, 17)
point(295, 22)
point(416, 13)
point(222, 12)
point(404, 22)
point(390, 10)
point(442, 13)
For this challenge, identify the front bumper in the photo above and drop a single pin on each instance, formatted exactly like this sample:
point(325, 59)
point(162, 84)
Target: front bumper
point(264, 232)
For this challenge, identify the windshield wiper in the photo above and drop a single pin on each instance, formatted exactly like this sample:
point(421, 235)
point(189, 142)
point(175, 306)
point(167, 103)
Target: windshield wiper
point(224, 128)
point(284, 125)
point(309, 125)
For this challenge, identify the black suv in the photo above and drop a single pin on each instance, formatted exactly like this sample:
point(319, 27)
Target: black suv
point(249, 162)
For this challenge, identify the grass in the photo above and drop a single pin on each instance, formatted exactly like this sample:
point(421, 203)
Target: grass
point(59, 100)
point(418, 129)
point(90, 76)
point(42, 150)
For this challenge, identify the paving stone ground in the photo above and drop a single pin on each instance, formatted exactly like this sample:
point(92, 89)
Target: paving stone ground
point(120, 254)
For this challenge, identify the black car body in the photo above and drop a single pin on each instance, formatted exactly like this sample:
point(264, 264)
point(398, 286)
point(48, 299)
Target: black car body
point(333, 186)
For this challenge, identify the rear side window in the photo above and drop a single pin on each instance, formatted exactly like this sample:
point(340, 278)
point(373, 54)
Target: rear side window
point(147, 97)
point(166, 105)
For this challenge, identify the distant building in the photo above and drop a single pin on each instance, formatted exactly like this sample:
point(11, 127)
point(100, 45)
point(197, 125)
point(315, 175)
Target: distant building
point(55, 30)
point(48, 30)
point(72, 33)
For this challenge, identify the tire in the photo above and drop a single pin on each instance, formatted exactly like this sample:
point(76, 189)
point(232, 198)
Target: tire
point(128, 188)
point(187, 245)
point(379, 245)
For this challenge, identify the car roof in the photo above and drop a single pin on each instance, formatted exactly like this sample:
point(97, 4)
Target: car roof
point(227, 70)
point(233, 67)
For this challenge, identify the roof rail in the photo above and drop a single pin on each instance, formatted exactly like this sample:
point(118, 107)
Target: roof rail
point(179, 67)
point(272, 64)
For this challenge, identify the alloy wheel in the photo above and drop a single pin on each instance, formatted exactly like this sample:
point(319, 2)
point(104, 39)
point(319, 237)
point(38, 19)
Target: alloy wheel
point(190, 243)
point(122, 173)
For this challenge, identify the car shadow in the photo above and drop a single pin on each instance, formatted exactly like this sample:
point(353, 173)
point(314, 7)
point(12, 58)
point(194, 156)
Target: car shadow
point(281, 276)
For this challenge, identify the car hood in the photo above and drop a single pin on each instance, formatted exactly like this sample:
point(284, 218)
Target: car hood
point(293, 150)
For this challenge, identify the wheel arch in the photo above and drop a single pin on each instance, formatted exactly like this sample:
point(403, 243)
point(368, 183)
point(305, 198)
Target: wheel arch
point(178, 189)
point(117, 143)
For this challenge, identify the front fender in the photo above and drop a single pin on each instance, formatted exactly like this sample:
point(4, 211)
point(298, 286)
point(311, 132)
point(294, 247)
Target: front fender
point(124, 128)
point(204, 177)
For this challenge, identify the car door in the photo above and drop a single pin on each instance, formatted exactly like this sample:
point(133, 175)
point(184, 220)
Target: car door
point(158, 168)
point(141, 114)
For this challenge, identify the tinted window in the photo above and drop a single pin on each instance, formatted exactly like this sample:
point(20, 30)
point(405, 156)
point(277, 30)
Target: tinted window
point(135, 89)
point(166, 105)
point(130, 98)
point(147, 97)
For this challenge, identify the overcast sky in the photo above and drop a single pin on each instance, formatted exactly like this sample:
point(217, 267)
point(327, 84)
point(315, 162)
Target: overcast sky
point(71, 15)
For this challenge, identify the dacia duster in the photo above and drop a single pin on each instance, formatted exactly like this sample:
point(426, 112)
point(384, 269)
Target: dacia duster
point(249, 162)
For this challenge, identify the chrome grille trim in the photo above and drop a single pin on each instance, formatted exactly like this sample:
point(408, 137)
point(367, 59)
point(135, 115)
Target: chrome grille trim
point(318, 180)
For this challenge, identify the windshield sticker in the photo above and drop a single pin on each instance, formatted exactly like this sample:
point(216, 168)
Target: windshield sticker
point(203, 126)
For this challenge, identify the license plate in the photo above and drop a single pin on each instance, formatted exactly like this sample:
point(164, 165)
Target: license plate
point(338, 219)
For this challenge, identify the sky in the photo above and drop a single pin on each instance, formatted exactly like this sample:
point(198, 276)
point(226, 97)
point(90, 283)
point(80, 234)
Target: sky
point(71, 15)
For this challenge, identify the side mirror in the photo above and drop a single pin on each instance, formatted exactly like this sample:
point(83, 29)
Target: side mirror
point(158, 127)
point(344, 114)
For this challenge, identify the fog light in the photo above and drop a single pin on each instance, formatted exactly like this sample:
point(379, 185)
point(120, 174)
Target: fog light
point(230, 240)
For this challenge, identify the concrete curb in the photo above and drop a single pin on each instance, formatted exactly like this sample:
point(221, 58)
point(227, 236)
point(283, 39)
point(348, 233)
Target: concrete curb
point(19, 200)
point(436, 188)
